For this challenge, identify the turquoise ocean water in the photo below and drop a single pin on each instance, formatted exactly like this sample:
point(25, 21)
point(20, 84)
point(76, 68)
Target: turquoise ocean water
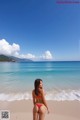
point(61, 80)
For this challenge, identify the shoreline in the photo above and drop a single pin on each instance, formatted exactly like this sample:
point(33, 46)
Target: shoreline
point(59, 110)
point(54, 95)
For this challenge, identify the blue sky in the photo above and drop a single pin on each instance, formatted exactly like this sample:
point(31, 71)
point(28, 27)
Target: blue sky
point(40, 29)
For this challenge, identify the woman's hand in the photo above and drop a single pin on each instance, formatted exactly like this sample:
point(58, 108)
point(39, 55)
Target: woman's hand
point(48, 111)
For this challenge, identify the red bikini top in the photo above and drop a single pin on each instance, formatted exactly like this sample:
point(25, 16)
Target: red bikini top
point(38, 98)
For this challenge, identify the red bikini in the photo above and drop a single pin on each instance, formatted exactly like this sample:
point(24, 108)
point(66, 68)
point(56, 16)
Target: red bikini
point(38, 105)
point(39, 102)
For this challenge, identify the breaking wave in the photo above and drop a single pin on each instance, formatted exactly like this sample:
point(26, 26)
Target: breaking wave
point(55, 96)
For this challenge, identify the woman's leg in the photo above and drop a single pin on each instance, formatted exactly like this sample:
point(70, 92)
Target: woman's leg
point(35, 113)
point(42, 112)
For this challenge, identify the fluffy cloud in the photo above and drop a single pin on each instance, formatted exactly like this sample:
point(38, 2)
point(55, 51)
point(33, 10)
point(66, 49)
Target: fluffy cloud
point(27, 56)
point(7, 49)
point(47, 55)
point(14, 49)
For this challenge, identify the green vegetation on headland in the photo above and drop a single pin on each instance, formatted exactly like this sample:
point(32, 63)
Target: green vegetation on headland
point(4, 58)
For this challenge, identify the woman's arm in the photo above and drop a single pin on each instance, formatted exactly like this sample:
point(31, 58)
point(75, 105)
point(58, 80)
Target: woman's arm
point(33, 97)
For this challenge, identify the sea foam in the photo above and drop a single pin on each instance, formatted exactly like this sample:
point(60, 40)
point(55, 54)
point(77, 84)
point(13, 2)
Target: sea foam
point(58, 96)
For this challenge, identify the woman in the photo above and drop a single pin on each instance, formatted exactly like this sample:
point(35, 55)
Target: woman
point(40, 105)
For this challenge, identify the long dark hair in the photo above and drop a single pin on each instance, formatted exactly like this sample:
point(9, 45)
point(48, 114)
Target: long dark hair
point(36, 85)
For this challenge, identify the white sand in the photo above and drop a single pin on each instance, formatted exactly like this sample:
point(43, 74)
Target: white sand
point(22, 110)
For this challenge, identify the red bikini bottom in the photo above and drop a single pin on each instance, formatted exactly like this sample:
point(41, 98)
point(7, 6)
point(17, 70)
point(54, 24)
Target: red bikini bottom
point(38, 105)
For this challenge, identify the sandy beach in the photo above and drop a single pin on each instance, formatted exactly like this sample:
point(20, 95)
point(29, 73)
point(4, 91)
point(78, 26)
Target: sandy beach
point(62, 110)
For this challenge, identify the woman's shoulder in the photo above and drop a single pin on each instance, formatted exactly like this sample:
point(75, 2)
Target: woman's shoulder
point(33, 92)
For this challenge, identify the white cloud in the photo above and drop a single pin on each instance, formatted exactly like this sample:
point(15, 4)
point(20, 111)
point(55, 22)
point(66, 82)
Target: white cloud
point(7, 49)
point(27, 56)
point(47, 55)
point(14, 49)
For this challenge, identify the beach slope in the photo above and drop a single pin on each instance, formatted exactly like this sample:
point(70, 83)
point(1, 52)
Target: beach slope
point(62, 110)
